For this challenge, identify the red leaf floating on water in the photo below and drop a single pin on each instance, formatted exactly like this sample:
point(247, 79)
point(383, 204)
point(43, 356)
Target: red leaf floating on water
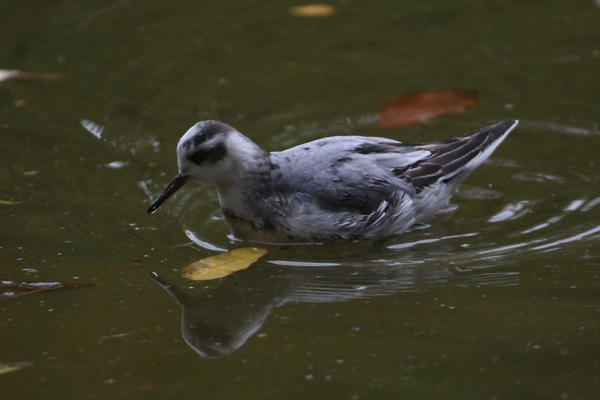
point(419, 107)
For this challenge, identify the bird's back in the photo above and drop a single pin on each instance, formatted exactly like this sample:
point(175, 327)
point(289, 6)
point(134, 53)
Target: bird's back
point(354, 187)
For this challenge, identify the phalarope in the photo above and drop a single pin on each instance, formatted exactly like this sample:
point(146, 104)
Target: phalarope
point(337, 188)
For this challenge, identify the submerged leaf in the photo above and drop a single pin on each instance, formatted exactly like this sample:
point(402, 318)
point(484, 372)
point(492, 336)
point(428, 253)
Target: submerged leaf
point(313, 10)
point(222, 264)
point(419, 107)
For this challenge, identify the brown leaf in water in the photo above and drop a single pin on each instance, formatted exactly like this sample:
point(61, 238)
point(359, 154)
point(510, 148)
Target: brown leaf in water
point(222, 264)
point(313, 10)
point(21, 288)
point(423, 106)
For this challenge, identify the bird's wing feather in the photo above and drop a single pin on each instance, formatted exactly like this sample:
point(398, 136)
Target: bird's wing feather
point(452, 160)
point(351, 172)
point(359, 173)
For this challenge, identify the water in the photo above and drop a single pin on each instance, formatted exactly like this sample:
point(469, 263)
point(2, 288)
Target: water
point(496, 298)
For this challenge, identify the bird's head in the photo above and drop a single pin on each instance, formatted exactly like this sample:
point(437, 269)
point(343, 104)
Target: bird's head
point(210, 152)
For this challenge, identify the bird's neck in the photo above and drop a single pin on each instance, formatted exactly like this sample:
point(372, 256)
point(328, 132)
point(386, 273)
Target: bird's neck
point(250, 180)
point(233, 201)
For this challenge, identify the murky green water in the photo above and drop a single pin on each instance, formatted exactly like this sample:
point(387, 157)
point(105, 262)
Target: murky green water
point(498, 299)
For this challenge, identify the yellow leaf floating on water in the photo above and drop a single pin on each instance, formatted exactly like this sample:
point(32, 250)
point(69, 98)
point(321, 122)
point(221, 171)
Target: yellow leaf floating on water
point(10, 367)
point(313, 10)
point(9, 202)
point(222, 264)
point(4, 369)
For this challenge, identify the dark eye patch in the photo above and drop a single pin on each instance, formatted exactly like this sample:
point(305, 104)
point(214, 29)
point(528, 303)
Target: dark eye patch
point(210, 156)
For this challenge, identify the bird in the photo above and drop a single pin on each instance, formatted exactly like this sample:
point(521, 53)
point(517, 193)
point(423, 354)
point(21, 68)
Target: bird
point(333, 189)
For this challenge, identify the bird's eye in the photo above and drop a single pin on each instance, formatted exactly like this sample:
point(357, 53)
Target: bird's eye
point(198, 157)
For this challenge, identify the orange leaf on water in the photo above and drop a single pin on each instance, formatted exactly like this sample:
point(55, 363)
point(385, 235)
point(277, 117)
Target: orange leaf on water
point(423, 106)
point(313, 10)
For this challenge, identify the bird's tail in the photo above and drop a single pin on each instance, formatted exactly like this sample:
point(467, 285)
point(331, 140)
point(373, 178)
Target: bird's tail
point(452, 160)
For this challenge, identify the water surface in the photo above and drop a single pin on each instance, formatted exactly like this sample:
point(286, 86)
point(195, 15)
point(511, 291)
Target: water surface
point(496, 298)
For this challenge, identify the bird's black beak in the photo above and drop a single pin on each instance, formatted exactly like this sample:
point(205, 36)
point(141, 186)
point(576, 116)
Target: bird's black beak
point(175, 184)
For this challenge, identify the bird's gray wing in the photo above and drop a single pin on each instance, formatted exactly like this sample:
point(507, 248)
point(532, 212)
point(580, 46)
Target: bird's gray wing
point(350, 172)
point(359, 173)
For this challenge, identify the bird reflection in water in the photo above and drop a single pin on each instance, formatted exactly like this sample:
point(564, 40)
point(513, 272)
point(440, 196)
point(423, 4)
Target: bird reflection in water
point(219, 319)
